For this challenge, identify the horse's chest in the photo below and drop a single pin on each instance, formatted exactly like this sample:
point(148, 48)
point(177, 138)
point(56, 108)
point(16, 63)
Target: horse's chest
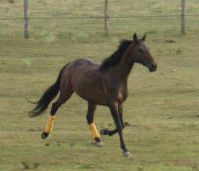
point(121, 94)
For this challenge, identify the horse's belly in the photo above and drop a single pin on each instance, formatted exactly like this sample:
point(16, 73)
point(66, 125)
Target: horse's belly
point(92, 96)
point(90, 88)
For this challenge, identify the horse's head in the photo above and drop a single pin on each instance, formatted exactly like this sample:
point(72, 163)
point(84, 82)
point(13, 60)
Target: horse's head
point(142, 54)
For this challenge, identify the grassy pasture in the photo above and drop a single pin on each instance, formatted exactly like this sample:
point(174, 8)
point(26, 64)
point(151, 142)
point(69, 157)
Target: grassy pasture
point(162, 107)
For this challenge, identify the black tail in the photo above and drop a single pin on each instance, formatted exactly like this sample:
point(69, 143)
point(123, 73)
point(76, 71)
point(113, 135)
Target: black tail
point(46, 98)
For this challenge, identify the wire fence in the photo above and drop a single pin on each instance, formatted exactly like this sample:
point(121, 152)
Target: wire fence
point(181, 18)
point(98, 17)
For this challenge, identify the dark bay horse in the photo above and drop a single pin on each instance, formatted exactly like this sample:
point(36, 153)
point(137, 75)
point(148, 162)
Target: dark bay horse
point(104, 84)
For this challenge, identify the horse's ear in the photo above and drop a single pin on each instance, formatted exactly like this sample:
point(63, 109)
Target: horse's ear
point(135, 38)
point(144, 37)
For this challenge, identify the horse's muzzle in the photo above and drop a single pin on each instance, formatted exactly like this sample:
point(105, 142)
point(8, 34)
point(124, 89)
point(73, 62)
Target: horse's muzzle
point(152, 67)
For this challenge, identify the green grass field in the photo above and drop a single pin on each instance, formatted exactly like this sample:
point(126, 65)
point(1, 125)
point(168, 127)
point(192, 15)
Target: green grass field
point(162, 107)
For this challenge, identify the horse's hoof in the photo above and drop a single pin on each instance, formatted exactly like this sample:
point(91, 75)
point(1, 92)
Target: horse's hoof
point(44, 135)
point(127, 154)
point(104, 131)
point(98, 142)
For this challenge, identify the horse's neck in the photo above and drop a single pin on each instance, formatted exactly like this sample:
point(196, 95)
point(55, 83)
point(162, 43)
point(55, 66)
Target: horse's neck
point(126, 64)
point(121, 72)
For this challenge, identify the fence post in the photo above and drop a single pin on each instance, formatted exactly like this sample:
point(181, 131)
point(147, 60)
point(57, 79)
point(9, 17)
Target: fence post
point(183, 14)
point(106, 17)
point(26, 20)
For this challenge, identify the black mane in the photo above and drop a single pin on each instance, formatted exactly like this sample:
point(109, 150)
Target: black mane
point(116, 57)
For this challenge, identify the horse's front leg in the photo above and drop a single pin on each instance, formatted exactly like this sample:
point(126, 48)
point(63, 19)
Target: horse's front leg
point(108, 132)
point(119, 127)
point(120, 110)
point(114, 131)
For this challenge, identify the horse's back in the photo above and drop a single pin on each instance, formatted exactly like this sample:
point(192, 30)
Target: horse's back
point(85, 62)
point(79, 64)
point(79, 70)
point(86, 80)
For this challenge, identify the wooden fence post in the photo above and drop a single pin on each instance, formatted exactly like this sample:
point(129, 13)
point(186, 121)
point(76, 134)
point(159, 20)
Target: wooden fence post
point(106, 17)
point(183, 19)
point(26, 20)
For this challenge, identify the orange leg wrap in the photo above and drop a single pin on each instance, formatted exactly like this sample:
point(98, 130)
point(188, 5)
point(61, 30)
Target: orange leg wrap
point(95, 133)
point(49, 126)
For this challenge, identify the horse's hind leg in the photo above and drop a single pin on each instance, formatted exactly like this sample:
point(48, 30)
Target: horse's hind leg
point(90, 118)
point(65, 94)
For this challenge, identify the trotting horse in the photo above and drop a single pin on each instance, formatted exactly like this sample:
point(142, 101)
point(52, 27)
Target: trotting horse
point(104, 84)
